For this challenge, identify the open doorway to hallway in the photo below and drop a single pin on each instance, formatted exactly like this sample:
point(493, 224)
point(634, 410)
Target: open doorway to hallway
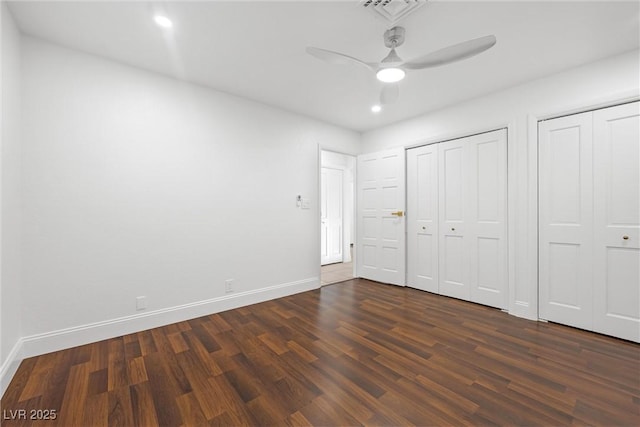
point(337, 216)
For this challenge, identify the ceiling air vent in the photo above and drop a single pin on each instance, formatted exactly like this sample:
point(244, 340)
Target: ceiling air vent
point(392, 10)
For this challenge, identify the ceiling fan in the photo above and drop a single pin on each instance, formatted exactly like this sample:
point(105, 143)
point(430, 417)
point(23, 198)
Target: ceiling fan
point(392, 68)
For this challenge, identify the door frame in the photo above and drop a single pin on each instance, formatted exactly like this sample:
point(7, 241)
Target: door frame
point(322, 148)
point(533, 143)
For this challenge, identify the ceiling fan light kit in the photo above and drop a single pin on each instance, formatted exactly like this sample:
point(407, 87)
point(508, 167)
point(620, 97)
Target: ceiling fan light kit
point(162, 21)
point(390, 75)
point(392, 68)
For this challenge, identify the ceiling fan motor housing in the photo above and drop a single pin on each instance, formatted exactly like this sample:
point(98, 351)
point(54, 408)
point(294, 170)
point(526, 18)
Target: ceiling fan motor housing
point(394, 37)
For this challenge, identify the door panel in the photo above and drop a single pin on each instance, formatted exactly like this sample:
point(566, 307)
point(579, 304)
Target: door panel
point(381, 228)
point(453, 192)
point(331, 215)
point(566, 220)
point(486, 207)
point(616, 178)
point(422, 218)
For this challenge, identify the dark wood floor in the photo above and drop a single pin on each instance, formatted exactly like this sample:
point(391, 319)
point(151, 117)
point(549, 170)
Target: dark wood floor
point(348, 354)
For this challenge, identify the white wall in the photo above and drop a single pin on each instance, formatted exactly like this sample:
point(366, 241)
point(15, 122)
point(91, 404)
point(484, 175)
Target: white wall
point(10, 212)
point(139, 185)
point(519, 108)
point(347, 165)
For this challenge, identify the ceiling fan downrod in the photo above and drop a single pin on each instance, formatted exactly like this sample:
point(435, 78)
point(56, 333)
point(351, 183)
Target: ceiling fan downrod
point(394, 37)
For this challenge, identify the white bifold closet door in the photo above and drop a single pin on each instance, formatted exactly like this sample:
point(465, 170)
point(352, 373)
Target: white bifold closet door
point(457, 233)
point(566, 220)
point(589, 172)
point(422, 218)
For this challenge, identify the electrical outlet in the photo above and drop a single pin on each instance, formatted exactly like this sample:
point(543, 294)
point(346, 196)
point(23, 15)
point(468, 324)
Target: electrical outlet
point(228, 286)
point(141, 303)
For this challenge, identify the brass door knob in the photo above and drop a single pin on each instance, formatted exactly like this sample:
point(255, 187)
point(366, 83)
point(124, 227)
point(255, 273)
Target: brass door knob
point(625, 237)
point(399, 213)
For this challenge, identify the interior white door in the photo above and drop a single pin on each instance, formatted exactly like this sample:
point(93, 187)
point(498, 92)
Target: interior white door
point(331, 215)
point(380, 252)
point(486, 205)
point(616, 264)
point(422, 218)
point(566, 220)
point(453, 192)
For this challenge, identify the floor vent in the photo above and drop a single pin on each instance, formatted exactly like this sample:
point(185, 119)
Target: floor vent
point(392, 10)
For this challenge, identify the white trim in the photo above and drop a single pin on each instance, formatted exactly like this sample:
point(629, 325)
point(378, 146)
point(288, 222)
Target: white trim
point(318, 211)
point(449, 136)
point(61, 339)
point(515, 223)
point(10, 366)
point(619, 98)
point(532, 216)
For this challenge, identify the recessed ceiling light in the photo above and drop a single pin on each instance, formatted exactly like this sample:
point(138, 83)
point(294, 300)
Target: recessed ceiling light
point(376, 108)
point(163, 21)
point(390, 75)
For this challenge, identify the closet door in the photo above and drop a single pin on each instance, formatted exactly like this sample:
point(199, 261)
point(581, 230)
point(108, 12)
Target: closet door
point(566, 220)
point(486, 206)
point(454, 247)
point(422, 218)
point(616, 263)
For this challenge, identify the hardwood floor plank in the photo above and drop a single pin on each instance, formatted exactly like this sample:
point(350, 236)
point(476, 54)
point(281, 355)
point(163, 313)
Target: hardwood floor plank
point(96, 410)
point(75, 395)
point(137, 371)
point(297, 420)
point(142, 405)
point(147, 345)
point(354, 353)
point(98, 382)
point(57, 383)
point(165, 390)
point(205, 357)
point(38, 377)
point(190, 410)
point(207, 397)
point(120, 407)
point(169, 361)
point(117, 368)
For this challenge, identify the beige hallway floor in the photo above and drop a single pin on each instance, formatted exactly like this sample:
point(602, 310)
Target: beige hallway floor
point(333, 273)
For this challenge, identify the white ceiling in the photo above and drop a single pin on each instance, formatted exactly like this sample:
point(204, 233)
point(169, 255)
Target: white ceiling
point(256, 49)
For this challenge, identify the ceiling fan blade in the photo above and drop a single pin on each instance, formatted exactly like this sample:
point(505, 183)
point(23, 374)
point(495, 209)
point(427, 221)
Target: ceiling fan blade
point(452, 53)
point(389, 93)
point(335, 57)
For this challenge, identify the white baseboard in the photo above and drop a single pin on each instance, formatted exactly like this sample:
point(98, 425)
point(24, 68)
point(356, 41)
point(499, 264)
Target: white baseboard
point(10, 366)
point(48, 342)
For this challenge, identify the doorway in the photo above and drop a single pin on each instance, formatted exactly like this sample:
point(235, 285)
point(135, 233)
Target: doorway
point(337, 217)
